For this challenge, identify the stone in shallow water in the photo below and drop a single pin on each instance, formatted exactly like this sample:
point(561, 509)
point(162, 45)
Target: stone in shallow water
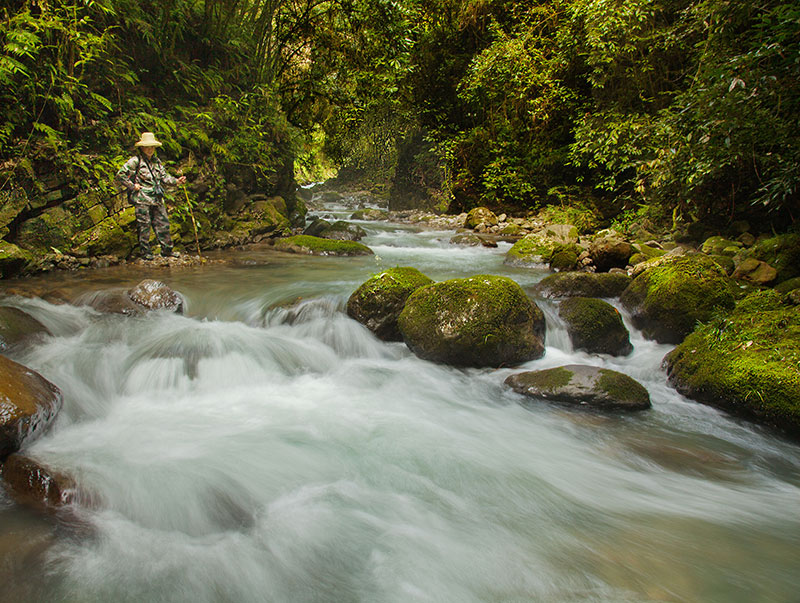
point(28, 403)
point(155, 295)
point(583, 386)
point(33, 484)
point(17, 327)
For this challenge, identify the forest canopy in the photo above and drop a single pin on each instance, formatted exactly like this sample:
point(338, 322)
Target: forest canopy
point(673, 108)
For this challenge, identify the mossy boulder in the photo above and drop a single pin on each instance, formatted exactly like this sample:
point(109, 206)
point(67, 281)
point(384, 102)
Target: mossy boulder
point(480, 216)
point(782, 253)
point(585, 386)
point(582, 284)
point(343, 231)
point(721, 246)
point(466, 239)
point(537, 249)
point(377, 303)
point(478, 321)
point(308, 245)
point(668, 299)
point(17, 327)
point(564, 260)
point(790, 285)
point(28, 404)
point(595, 326)
point(33, 484)
point(746, 362)
point(755, 271)
point(13, 259)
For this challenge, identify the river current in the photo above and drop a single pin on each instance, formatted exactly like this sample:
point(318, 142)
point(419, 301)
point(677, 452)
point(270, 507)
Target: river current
point(265, 447)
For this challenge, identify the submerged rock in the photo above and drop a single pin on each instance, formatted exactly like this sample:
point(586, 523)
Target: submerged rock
point(668, 299)
point(584, 386)
point(746, 363)
point(377, 303)
point(595, 326)
point(478, 321)
point(582, 284)
point(17, 327)
point(32, 484)
point(308, 245)
point(28, 404)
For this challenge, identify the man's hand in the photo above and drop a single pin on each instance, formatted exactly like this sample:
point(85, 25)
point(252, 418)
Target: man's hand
point(137, 187)
point(182, 179)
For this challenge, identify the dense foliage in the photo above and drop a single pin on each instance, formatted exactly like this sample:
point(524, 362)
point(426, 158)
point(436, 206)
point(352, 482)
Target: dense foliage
point(687, 109)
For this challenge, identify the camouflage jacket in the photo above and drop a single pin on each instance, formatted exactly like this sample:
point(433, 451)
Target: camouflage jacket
point(146, 177)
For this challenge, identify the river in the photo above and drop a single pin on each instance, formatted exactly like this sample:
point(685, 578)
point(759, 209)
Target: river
point(265, 447)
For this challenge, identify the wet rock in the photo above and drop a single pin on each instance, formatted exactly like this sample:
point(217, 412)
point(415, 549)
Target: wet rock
point(595, 326)
point(377, 303)
point(316, 228)
point(480, 216)
point(343, 231)
point(467, 240)
point(610, 251)
point(746, 362)
point(32, 484)
point(13, 259)
point(668, 299)
point(582, 284)
point(755, 271)
point(111, 302)
point(308, 245)
point(538, 249)
point(582, 386)
point(18, 327)
point(782, 252)
point(155, 295)
point(28, 404)
point(720, 246)
point(478, 321)
point(564, 261)
point(562, 233)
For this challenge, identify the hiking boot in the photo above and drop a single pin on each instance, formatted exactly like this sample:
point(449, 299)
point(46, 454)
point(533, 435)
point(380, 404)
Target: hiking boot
point(147, 256)
point(167, 253)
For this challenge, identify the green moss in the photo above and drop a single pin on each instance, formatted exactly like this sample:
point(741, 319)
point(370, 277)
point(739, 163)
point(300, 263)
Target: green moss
point(760, 301)
point(563, 261)
point(394, 281)
point(725, 262)
point(112, 236)
point(622, 388)
point(747, 362)
point(478, 216)
point(13, 259)
point(319, 246)
point(549, 380)
point(533, 249)
point(719, 245)
point(782, 253)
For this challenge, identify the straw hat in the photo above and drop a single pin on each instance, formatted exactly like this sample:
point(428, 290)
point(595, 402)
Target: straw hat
point(148, 139)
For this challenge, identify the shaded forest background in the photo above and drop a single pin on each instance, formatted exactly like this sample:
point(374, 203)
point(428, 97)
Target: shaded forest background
point(664, 111)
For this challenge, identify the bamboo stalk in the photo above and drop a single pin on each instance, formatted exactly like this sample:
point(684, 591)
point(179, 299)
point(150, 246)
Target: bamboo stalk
point(194, 223)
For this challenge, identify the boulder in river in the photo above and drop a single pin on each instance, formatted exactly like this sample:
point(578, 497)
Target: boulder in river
point(370, 214)
point(581, 385)
point(377, 303)
point(610, 251)
point(32, 484)
point(668, 298)
point(595, 326)
point(478, 321)
point(480, 216)
point(308, 245)
point(17, 327)
point(155, 295)
point(28, 404)
point(746, 362)
point(582, 284)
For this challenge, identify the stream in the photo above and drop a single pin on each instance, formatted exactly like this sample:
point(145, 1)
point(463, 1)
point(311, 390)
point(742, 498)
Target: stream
point(265, 447)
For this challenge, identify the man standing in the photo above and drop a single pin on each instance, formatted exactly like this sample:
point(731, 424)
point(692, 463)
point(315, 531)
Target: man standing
point(145, 178)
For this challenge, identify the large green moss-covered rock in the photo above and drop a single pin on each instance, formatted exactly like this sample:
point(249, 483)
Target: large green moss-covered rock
point(478, 321)
point(538, 249)
point(668, 299)
point(377, 303)
point(747, 362)
point(587, 386)
point(114, 235)
point(595, 326)
point(582, 284)
point(308, 245)
point(17, 327)
point(28, 403)
point(339, 230)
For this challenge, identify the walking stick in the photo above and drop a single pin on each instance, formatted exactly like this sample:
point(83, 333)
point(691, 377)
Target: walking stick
point(194, 224)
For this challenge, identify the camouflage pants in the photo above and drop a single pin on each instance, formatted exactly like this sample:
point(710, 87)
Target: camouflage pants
point(155, 215)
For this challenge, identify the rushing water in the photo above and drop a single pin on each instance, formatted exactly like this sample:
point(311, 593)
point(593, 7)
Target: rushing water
point(261, 448)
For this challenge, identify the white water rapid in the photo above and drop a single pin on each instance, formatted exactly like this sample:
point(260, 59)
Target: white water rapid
point(254, 451)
